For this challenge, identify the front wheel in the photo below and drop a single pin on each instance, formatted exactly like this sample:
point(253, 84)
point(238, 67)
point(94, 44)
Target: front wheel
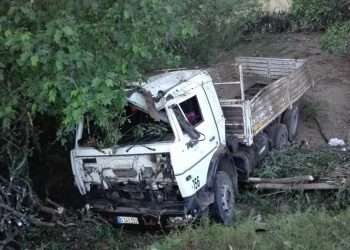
point(224, 203)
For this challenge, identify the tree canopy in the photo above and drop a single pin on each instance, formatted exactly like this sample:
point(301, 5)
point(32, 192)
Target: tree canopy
point(76, 59)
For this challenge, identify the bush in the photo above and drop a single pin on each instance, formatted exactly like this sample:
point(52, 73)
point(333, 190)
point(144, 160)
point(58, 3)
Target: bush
point(318, 14)
point(337, 39)
point(298, 161)
point(75, 57)
point(218, 25)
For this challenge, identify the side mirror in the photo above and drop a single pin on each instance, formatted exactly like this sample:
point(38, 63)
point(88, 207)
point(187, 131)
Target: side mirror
point(184, 124)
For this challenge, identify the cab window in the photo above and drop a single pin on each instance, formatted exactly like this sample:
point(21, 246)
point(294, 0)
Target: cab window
point(192, 111)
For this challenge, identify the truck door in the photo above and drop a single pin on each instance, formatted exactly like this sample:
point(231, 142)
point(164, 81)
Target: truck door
point(191, 157)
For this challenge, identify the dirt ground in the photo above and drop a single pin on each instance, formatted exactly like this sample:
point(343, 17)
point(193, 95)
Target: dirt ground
point(328, 101)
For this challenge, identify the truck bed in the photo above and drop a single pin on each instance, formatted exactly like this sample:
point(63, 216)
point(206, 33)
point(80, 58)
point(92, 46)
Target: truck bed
point(263, 89)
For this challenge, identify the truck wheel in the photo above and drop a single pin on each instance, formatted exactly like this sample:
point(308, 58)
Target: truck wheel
point(222, 209)
point(262, 145)
point(291, 119)
point(253, 157)
point(280, 136)
point(244, 165)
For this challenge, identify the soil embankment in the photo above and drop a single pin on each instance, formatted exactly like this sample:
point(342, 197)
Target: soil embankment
point(328, 101)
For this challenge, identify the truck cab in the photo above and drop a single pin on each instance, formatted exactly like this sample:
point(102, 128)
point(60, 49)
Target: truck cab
point(170, 179)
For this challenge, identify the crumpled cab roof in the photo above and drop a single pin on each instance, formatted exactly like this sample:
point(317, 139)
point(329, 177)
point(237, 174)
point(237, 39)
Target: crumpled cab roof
point(163, 82)
point(168, 80)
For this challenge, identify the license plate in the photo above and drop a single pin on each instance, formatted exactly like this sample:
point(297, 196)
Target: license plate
point(127, 220)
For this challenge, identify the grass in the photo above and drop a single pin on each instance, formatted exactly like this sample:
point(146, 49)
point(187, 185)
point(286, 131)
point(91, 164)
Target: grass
point(86, 237)
point(308, 230)
point(277, 220)
point(312, 229)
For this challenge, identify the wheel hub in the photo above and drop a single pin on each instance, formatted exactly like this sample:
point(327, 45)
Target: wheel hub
point(226, 199)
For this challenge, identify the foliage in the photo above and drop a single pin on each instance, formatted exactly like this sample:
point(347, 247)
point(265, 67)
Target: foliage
point(217, 25)
point(296, 161)
point(309, 230)
point(318, 14)
point(332, 16)
point(337, 38)
point(149, 130)
point(76, 60)
point(321, 163)
point(313, 229)
point(84, 235)
point(73, 58)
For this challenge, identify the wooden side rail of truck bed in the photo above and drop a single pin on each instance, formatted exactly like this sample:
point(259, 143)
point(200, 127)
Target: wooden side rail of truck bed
point(265, 89)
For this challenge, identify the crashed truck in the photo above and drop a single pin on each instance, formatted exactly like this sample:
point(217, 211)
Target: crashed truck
point(212, 137)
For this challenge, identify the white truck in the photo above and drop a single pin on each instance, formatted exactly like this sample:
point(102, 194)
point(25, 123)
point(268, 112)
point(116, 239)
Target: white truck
point(188, 142)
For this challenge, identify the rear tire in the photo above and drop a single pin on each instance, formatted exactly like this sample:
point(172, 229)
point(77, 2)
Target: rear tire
point(253, 157)
point(244, 165)
point(291, 119)
point(222, 209)
point(280, 136)
point(262, 146)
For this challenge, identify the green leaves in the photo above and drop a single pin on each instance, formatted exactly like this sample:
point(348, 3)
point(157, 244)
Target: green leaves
point(68, 31)
point(50, 90)
point(34, 60)
point(212, 25)
point(71, 59)
point(57, 37)
point(319, 14)
point(337, 39)
point(109, 83)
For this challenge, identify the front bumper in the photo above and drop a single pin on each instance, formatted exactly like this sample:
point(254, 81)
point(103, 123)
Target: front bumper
point(165, 214)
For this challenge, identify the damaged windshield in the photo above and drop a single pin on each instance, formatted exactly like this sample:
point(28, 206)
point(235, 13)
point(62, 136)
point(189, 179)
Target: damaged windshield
point(138, 128)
